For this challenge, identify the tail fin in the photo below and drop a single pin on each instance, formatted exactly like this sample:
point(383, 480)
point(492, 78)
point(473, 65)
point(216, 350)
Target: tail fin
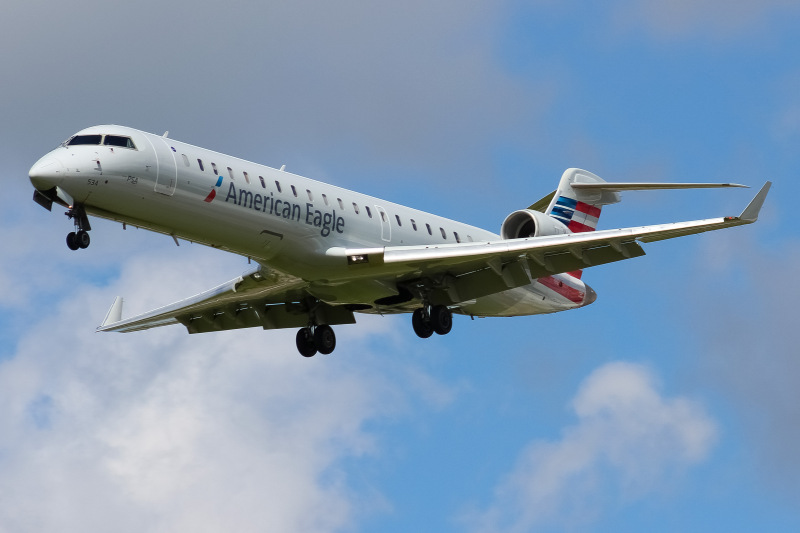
point(579, 209)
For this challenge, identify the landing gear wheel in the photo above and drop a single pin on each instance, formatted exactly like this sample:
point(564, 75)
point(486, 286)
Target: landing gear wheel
point(324, 339)
point(441, 319)
point(305, 343)
point(421, 323)
point(72, 241)
point(82, 239)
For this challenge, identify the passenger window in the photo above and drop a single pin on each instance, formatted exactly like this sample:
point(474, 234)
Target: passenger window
point(325, 199)
point(456, 235)
point(469, 238)
point(230, 173)
point(278, 185)
point(214, 168)
point(246, 177)
point(116, 140)
point(413, 224)
point(341, 204)
point(185, 160)
point(444, 235)
point(355, 207)
point(294, 191)
point(200, 163)
point(84, 139)
point(310, 196)
point(399, 224)
point(429, 229)
point(263, 183)
point(383, 216)
point(369, 212)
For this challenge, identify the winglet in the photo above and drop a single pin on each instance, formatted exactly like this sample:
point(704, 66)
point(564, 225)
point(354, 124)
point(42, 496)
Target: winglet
point(750, 213)
point(114, 313)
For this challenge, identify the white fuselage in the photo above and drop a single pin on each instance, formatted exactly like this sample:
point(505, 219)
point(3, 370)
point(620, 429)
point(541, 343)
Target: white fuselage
point(280, 219)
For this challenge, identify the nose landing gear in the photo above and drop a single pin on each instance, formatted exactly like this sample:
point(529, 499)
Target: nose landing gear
point(78, 239)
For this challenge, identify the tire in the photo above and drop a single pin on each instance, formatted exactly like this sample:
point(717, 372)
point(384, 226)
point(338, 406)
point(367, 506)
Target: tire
point(83, 239)
point(305, 343)
point(324, 339)
point(421, 324)
point(441, 319)
point(72, 241)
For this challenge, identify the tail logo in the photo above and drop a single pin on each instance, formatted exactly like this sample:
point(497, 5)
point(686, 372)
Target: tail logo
point(578, 216)
point(213, 193)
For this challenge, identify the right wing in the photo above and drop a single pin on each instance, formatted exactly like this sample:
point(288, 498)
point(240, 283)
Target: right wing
point(256, 298)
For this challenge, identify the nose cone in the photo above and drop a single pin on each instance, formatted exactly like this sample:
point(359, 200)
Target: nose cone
point(46, 173)
point(589, 297)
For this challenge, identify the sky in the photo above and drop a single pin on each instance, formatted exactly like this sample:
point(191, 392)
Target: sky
point(669, 404)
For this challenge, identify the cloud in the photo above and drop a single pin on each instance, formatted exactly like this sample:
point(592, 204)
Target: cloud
point(714, 18)
point(411, 83)
point(629, 439)
point(164, 431)
point(749, 338)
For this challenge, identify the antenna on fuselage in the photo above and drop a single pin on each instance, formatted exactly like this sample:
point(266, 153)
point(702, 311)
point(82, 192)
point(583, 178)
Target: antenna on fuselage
point(283, 167)
point(166, 134)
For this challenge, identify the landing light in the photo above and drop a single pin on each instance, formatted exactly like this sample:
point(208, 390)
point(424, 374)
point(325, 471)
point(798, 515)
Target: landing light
point(357, 259)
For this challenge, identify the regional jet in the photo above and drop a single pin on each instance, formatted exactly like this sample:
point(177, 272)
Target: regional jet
point(323, 253)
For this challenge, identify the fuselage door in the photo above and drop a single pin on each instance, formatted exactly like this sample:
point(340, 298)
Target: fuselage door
point(167, 177)
point(386, 228)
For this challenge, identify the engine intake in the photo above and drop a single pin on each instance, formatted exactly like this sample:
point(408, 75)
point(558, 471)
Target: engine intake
point(528, 223)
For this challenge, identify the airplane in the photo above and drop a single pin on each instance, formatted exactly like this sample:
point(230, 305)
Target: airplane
point(324, 253)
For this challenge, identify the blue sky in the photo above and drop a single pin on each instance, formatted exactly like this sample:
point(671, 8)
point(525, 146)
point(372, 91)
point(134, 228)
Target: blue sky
point(669, 404)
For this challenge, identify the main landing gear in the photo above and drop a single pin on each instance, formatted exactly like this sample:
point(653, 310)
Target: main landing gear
point(80, 237)
point(315, 339)
point(432, 319)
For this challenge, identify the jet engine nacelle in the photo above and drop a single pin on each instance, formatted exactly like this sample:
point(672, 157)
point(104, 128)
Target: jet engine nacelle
point(528, 223)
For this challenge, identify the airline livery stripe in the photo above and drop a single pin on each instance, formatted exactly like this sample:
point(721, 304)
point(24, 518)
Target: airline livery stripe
point(577, 227)
point(588, 209)
point(559, 287)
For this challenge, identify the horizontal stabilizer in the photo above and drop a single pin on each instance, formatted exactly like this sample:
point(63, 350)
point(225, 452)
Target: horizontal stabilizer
point(644, 186)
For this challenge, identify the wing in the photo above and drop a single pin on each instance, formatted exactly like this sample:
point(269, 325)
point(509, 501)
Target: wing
point(256, 298)
point(470, 270)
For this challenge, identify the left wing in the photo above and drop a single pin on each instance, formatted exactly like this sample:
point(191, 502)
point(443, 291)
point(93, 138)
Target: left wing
point(471, 270)
point(260, 297)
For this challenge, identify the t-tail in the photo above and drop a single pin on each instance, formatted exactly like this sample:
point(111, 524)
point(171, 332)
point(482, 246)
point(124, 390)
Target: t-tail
point(581, 195)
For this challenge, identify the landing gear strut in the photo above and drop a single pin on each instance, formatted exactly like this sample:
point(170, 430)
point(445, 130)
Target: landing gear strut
point(315, 339)
point(429, 320)
point(80, 237)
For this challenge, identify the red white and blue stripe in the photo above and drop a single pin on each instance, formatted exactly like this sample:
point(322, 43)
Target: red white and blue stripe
point(578, 216)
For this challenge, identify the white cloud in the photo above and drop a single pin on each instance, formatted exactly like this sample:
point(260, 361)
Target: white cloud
point(164, 431)
point(628, 440)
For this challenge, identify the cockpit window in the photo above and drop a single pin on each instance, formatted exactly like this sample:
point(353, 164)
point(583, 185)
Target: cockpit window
point(117, 140)
point(84, 139)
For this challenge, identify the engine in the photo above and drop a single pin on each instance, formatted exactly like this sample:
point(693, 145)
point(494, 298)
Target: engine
point(528, 223)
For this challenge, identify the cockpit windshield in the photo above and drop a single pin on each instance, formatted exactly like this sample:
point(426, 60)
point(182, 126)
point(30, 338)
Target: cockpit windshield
point(105, 140)
point(84, 139)
point(117, 140)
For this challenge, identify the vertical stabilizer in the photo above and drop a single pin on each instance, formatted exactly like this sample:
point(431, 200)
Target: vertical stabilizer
point(579, 209)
